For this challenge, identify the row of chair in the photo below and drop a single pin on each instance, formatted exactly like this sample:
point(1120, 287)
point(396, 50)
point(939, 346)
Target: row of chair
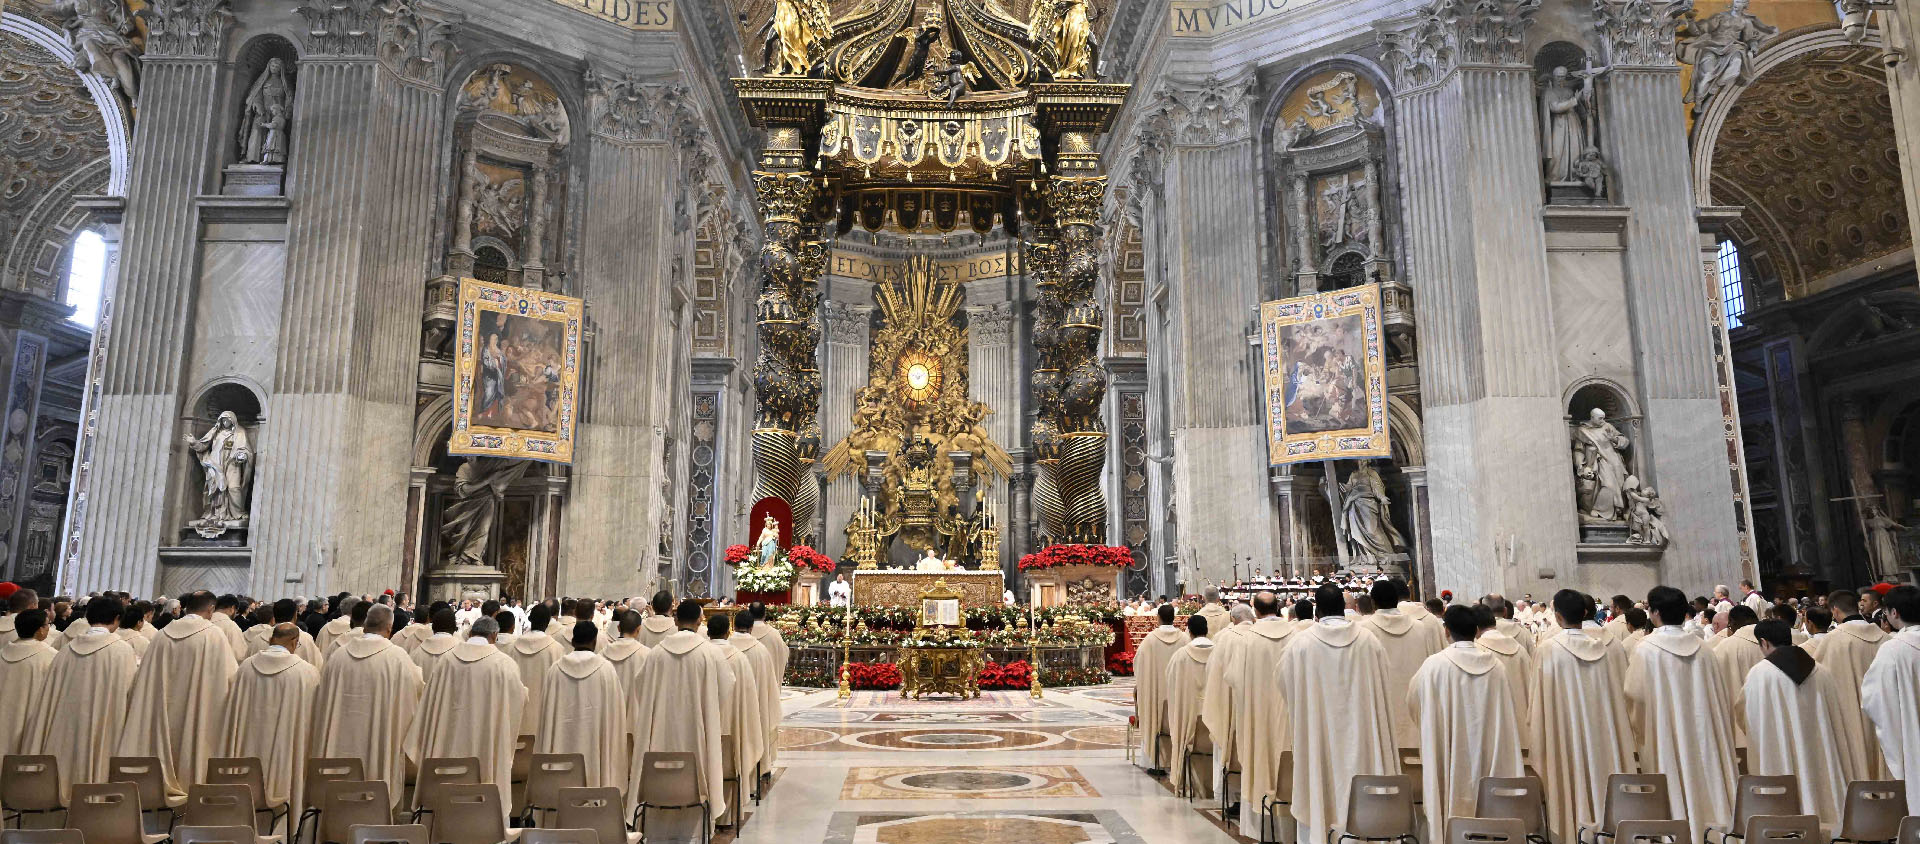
point(359, 834)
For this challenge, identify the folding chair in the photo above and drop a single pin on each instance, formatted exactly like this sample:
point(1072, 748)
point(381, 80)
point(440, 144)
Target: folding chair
point(469, 813)
point(41, 836)
point(1630, 797)
point(1872, 811)
point(597, 809)
point(1282, 796)
point(389, 834)
point(547, 774)
point(210, 834)
point(522, 765)
point(1523, 798)
point(559, 835)
point(1486, 831)
point(1653, 832)
point(149, 782)
point(1200, 746)
point(1782, 829)
point(671, 781)
point(1379, 808)
point(29, 785)
point(222, 806)
point(319, 771)
point(436, 774)
point(109, 813)
point(1759, 795)
point(345, 804)
point(247, 771)
point(1909, 830)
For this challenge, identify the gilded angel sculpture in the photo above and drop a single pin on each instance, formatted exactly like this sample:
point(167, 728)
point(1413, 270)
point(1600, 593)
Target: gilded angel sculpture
point(1062, 31)
point(794, 37)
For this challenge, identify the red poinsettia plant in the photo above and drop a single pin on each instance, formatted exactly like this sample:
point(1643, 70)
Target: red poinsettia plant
point(737, 554)
point(1121, 664)
point(1077, 555)
point(804, 557)
point(1013, 675)
point(881, 676)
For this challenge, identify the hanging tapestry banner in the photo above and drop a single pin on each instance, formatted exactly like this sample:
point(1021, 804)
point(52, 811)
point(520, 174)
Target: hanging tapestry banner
point(1325, 376)
point(517, 374)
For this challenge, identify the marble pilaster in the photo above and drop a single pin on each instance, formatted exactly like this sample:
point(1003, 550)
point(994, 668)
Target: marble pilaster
point(1683, 453)
point(626, 258)
point(995, 377)
point(1495, 433)
point(1900, 33)
point(1205, 237)
point(121, 500)
point(844, 361)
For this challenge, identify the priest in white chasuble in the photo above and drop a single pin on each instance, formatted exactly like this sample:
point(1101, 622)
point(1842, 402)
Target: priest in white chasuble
point(437, 649)
point(1578, 732)
point(766, 677)
point(81, 708)
point(1407, 642)
point(267, 715)
point(770, 636)
point(1680, 710)
point(1213, 611)
point(1847, 650)
point(225, 608)
point(586, 712)
point(472, 707)
point(1503, 621)
point(1186, 697)
point(535, 651)
point(1150, 693)
point(1464, 706)
point(628, 656)
point(1333, 676)
point(131, 622)
point(1736, 655)
point(1792, 703)
point(349, 626)
point(660, 624)
point(1260, 708)
point(369, 693)
point(24, 664)
point(1222, 699)
point(173, 712)
point(22, 600)
point(1515, 661)
point(409, 637)
point(1890, 691)
point(682, 706)
point(284, 612)
point(745, 713)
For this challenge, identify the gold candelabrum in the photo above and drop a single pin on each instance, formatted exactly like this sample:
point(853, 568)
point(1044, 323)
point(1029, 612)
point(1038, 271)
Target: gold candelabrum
point(846, 653)
point(1033, 656)
point(989, 539)
point(867, 537)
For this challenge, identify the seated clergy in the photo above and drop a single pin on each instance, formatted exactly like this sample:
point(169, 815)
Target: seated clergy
point(1793, 706)
point(1464, 706)
point(1186, 684)
point(1150, 694)
point(268, 709)
point(472, 707)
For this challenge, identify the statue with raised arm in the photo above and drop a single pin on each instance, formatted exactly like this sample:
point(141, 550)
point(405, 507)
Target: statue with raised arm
point(102, 34)
point(226, 471)
point(1721, 50)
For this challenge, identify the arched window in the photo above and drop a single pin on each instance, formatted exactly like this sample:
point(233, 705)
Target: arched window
point(85, 275)
point(1733, 292)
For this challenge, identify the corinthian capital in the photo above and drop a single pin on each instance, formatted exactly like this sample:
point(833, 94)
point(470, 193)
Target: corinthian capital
point(193, 28)
point(1429, 44)
point(418, 46)
point(341, 27)
point(1640, 32)
point(1203, 112)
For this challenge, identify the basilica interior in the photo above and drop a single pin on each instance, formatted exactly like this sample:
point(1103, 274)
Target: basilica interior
point(968, 277)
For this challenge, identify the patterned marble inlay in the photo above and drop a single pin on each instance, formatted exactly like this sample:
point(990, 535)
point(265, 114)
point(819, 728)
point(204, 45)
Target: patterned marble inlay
point(1101, 827)
point(987, 701)
point(967, 783)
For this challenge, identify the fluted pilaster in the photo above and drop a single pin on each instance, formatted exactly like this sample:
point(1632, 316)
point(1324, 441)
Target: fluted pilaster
point(141, 371)
point(845, 362)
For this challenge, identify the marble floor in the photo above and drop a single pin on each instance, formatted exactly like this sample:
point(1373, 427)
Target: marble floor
point(1005, 768)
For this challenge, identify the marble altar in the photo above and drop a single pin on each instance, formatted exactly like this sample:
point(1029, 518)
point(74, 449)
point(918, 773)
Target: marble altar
point(903, 588)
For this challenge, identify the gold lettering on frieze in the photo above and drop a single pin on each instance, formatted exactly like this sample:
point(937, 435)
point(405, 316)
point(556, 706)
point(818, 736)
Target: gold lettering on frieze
point(972, 269)
point(642, 15)
point(1207, 18)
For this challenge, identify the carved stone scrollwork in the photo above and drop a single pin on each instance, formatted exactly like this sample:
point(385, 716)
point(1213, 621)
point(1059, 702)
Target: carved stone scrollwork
point(1206, 112)
point(341, 27)
point(418, 47)
point(621, 108)
point(1426, 46)
point(1640, 32)
point(991, 325)
point(187, 27)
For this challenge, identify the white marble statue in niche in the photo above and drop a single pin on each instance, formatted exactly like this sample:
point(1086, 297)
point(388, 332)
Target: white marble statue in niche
point(1569, 140)
point(102, 33)
point(225, 456)
point(268, 110)
point(1368, 522)
point(479, 485)
point(1600, 468)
